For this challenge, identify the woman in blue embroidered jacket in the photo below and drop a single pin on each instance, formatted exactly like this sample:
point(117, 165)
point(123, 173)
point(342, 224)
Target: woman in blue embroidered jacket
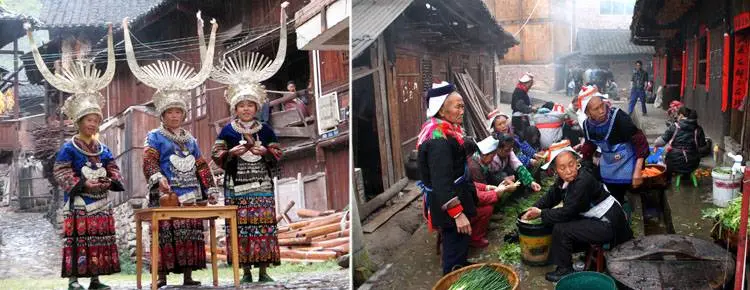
point(248, 151)
point(86, 171)
point(172, 161)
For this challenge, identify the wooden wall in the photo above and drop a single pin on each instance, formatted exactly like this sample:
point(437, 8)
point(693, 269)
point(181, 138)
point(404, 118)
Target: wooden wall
point(9, 136)
point(541, 39)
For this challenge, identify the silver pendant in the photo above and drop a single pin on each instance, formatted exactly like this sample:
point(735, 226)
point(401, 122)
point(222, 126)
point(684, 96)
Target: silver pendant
point(183, 164)
point(90, 173)
point(250, 157)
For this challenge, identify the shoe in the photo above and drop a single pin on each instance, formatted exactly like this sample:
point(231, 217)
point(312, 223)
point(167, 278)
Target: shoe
point(75, 286)
point(98, 286)
point(246, 279)
point(483, 243)
point(264, 278)
point(161, 283)
point(191, 282)
point(558, 274)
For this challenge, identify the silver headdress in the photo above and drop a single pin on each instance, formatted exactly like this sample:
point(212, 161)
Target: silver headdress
point(243, 72)
point(172, 79)
point(81, 79)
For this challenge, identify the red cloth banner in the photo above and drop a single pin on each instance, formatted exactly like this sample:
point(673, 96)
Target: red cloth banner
point(742, 21)
point(708, 59)
point(695, 62)
point(741, 69)
point(725, 74)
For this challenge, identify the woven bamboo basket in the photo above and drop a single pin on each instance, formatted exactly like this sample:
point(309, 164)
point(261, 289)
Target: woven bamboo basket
point(452, 277)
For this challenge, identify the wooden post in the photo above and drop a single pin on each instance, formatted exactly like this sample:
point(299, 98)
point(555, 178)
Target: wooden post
point(235, 250)
point(214, 268)
point(154, 251)
point(138, 251)
point(739, 275)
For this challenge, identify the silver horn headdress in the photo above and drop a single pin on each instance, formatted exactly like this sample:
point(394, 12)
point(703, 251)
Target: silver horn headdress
point(243, 72)
point(172, 79)
point(82, 79)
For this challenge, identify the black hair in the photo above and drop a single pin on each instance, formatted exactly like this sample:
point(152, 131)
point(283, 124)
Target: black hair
point(685, 111)
point(532, 135)
point(549, 105)
point(639, 62)
point(504, 139)
point(470, 146)
point(291, 83)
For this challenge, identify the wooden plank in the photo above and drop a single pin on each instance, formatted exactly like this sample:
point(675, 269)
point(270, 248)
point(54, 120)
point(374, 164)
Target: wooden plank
point(300, 132)
point(381, 114)
point(384, 216)
point(285, 118)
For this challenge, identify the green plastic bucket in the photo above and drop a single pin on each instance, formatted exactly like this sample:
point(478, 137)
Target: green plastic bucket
point(586, 281)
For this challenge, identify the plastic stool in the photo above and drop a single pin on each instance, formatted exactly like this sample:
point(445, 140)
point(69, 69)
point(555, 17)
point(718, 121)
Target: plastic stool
point(692, 177)
point(595, 255)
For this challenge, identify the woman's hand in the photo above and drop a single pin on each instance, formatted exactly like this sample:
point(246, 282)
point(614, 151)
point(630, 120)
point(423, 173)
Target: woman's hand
point(463, 225)
point(238, 150)
point(533, 162)
point(637, 178)
point(105, 183)
point(164, 186)
point(535, 186)
point(92, 185)
point(531, 213)
point(212, 199)
point(259, 150)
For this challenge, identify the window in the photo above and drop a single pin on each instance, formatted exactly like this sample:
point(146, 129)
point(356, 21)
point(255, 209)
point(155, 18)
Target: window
point(702, 63)
point(199, 99)
point(616, 7)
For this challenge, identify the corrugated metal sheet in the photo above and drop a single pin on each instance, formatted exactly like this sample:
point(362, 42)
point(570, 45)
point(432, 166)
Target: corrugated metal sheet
point(372, 17)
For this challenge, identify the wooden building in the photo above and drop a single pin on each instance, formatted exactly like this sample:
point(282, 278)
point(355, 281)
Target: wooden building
point(399, 48)
point(702, 50)
point(166, 29)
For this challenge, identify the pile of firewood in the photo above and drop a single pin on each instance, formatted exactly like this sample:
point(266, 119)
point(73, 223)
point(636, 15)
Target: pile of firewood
point(317, 237)
point(320, 236)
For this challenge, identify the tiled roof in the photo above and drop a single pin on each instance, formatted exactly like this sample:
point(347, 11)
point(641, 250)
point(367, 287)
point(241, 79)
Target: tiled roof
point(594, 42)
point(92, 13)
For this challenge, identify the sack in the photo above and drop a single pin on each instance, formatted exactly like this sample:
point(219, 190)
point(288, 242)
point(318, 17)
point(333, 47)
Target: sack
point(659, 98)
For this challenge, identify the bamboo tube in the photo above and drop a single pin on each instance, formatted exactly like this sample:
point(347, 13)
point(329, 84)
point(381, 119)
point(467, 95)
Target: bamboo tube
point(296, 254)
point(316, 221)
point(331, 243)
point(303, 212)
point(295, 241)
point(341, 248)
point(338, 234)
point(313, 232)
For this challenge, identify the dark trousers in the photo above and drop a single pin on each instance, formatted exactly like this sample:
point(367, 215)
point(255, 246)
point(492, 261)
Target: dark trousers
point(618, 191)
point(635, 95)
point(455, 249)
point(569, 237)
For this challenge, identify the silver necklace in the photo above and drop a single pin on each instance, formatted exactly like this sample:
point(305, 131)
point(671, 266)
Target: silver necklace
point(183, 137)
point(249, 128)
point(84, 152)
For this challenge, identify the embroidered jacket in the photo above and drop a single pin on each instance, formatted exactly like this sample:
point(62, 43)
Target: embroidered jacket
point(69, 174)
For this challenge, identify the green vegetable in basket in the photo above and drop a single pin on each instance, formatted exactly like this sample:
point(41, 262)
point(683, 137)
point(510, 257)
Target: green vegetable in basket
point(483, 278)
point(510, 254)
point(727, 217)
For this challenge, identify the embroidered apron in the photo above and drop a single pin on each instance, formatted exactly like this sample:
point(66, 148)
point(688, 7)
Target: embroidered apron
point(618, 161)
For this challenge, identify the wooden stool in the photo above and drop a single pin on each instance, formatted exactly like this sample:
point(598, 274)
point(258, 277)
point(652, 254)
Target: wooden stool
point(596, 255)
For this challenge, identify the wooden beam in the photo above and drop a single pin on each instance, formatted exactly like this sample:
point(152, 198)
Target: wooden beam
point(382, 198)
point(382, 113)
point(385, 215)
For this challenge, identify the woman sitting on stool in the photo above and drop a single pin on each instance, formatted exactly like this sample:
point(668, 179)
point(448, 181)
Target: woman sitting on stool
point(588, 215)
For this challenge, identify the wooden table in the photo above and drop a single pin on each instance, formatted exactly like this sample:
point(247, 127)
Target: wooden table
point(154, 215)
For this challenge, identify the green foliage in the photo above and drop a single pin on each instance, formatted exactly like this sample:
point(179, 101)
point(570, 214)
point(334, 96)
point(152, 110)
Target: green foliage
point(727, 217)
point(127, 265)
point(510, 254)
point(25, 7)
point(511, 209)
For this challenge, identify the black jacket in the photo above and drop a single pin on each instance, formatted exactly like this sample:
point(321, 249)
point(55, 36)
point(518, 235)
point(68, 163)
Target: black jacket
point(441, 162)
point(579, 196)
point(521, 102)
point(684, 157)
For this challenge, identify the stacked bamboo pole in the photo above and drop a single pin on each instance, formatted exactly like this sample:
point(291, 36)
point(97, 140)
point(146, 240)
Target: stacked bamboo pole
point(323, 236)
